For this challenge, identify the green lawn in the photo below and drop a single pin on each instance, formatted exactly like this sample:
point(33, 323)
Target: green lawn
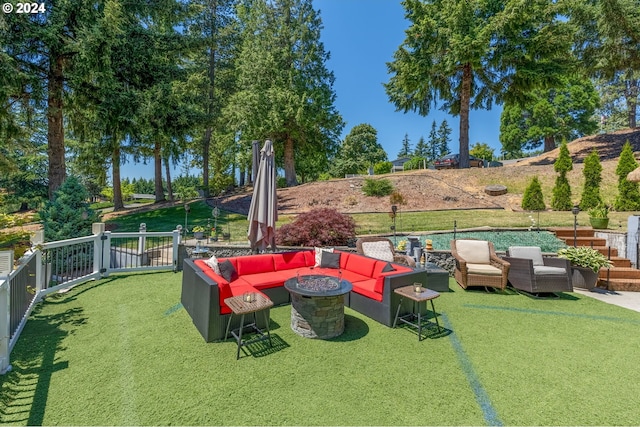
point(122, 351)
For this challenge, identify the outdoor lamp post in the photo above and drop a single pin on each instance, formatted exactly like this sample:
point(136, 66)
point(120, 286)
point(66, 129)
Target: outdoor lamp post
point(575, 210)
point(394, 210)
point(186, 214)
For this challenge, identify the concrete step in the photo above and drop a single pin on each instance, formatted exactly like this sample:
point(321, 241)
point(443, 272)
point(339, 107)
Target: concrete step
point(568, 231)
point(585, 241)
point(620, 273)
point(620, 284)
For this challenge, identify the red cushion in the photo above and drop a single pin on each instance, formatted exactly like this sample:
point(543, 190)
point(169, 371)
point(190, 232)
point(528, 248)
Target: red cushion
point(367, 288)
point(252, 264)
point(310, 258)
point(361, 265)
point(289, 260)
point(344, 256)
point(268, 280)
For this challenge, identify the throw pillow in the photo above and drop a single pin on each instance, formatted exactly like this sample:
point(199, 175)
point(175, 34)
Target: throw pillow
point(213, 263)
point(379, 250)
point(318, 252)
point(388, 267)
point(228, 271)
point(330, 259)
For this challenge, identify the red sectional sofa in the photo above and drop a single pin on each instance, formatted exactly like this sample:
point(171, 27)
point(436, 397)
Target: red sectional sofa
point(204, 291)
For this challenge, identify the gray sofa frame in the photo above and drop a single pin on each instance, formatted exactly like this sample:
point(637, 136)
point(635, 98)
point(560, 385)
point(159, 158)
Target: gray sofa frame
point(200, 298)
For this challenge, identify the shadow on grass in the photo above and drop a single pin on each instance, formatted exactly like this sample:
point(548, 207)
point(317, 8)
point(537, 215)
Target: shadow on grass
point(24, 390)
point(262, 348)
point(354, 329)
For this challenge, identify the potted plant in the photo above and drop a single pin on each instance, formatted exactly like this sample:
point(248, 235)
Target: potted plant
point(198, 232)
point(599, 216)
point(586, 262)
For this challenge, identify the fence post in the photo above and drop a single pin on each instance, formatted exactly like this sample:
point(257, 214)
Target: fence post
point(5, 324)
point(6, 266)
point(106, 253)
point(176, 247)
point(97, 229)
point(36, 244)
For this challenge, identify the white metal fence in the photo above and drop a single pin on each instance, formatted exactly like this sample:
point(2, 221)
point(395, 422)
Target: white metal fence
point(51, 267)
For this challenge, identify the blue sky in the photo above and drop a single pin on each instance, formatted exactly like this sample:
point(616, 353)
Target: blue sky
point(362, 36)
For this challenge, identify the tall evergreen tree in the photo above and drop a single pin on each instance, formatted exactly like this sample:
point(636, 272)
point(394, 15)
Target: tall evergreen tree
point(628, 198)
point(592, 178)
point(552, 114)
point(39, 54)
point(561, 200)
point(444, 137)
point(405, 151)
point(286, 93)
point(422, 150)
point(461, 53)
point(434, 142)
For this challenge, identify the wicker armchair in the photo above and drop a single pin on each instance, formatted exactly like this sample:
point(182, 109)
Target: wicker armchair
point(532, 273)
point(382, 248)
point(478, 265)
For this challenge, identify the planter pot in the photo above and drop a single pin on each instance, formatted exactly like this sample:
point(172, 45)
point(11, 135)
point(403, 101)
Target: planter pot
point(599, 223)
point(583, 278)
point(198, 235)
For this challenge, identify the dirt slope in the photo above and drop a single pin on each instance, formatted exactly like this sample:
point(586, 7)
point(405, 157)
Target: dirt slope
point(436, 190)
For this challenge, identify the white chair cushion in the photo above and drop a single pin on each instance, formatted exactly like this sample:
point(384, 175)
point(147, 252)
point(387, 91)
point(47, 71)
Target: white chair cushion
point(483, 269)
point(474, 251)
point(379, 250)
point(533, 253)
point(541, 270)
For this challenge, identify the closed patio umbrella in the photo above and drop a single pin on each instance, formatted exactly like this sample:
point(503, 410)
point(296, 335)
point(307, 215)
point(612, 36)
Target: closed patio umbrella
point(263, 212)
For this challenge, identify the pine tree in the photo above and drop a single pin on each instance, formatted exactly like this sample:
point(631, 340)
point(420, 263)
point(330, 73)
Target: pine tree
point(533, 200)
point(444, 137)
point(422, 150)
point(592, 178)
point(628, 194)
point(68, 215)
point(405, 151)
point(433, 143)
point(561, 200)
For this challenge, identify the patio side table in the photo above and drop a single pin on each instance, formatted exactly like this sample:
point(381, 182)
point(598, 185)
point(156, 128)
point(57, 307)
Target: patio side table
point(425, 295)
point(239, 306)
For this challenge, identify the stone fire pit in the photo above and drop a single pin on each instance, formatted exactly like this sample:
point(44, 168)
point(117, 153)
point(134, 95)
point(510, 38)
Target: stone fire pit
point(317, 305)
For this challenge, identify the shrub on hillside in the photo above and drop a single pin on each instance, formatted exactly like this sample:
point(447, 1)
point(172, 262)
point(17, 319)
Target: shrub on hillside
point(628, 194)
point(377, 187)
point(318, 227)
point(533, 199)
point(382, 168)
point(561, 200)
point(592, 179)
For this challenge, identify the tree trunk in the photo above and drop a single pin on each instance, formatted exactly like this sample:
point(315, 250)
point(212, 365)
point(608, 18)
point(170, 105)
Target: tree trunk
point(206, 145)
point(243, 173)
point(157, 171)
point(289, 163)
point(55, 126)
point(117, 188)
point(465, 101)
point(632, 102)
point(549, 143)
point(167, 170)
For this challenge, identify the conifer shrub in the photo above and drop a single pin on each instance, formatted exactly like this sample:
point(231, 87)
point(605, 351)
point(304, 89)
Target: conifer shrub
point(69, 214)
point(318, 227)
point(533, 199)
point(377, 187)
point(628, 198)
point(561, 199)
point(592, 178)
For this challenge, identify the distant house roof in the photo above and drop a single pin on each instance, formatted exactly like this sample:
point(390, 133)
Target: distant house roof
point(398, 164)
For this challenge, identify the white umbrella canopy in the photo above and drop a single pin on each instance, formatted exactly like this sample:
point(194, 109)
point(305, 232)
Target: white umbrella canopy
point(263, 212)
point(634, 175)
